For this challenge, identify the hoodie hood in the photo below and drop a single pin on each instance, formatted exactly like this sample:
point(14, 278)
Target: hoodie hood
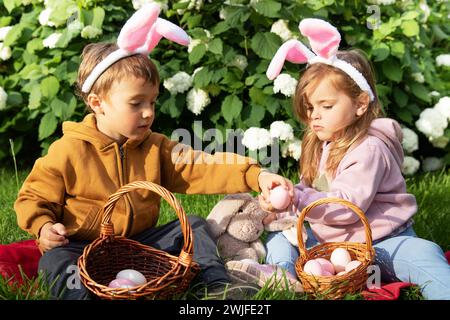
point(390, 132)
point(87, 131)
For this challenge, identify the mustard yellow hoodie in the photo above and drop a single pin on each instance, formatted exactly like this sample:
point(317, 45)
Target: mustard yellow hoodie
point(82, 169)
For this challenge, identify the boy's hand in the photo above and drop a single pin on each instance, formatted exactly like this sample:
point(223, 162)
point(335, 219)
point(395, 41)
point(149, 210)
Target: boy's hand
point(268, 181)
point(52, 235)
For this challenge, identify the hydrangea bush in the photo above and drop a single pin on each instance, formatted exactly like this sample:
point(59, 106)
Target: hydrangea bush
point(220, 78)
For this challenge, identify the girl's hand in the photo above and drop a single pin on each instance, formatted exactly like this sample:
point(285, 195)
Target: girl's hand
point(267, 181)
point(52, 235)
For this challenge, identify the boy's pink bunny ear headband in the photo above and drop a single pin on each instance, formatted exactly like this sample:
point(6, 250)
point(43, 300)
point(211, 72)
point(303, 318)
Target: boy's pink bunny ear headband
point(324, 40)
point(140, 34)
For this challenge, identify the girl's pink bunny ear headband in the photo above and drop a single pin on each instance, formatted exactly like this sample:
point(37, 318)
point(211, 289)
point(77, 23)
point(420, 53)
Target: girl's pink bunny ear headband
point(140, 34)
point(324, 40)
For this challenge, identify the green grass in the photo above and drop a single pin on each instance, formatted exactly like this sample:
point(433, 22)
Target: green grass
point(431, 222)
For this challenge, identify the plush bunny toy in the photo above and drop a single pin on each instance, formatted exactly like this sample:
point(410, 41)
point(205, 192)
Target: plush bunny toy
point(236, 223)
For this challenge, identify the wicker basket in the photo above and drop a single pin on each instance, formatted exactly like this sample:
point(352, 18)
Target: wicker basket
point(335, 287)
point(166, 274)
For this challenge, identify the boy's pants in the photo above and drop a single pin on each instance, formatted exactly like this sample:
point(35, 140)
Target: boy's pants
point(60, 263)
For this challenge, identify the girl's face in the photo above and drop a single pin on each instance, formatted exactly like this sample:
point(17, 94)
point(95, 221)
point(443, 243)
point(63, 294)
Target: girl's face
point(128, 110)
point(330, 111)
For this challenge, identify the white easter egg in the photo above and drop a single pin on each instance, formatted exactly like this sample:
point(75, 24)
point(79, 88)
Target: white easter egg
point(279, 197)
point(313, 267)
point(132, 275)
point(326, 265)
point(340, 258)
point(341, 273)
point(352, 265)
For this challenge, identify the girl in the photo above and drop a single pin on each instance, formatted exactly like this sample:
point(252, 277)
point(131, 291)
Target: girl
point(350, 153)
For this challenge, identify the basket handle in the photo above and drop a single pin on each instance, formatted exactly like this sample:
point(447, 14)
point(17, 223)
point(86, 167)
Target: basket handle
point(107, 227)
point(348, 204)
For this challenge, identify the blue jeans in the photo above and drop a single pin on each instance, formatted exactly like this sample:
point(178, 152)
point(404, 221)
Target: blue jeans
point(404, 257)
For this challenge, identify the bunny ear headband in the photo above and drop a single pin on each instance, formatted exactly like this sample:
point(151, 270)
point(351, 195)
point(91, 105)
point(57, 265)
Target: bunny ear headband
point(140, 34)
point(324, 40)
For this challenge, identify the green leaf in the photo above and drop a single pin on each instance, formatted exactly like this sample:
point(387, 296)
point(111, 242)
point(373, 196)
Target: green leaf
point(410, 28)
point(11, 4)
point(215, 46)
point(397, 49)
point(57, 107)
point(438, 32)
point(13, 35)
point(34, 45)
point(404, 115)
point(268, 8)
point(420, 91)
point(197, 53)
point(70, 102)
point(14, 98)
point(47, 126)
point(410, 15)
point(97, 17)
point(400, 97)
point(392, 70)
point(265, 44)
point(257, 96)
point(380, 51)
point(202, 78)
point(219, 28)
point(35, 98)
point(49, 87)
point(231, 108)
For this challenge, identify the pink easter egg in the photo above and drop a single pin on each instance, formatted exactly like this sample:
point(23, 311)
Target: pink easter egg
point(352, 265)
point(313, 267)
point(326, 265)
point(327, 274)
point(279, 197)
point(121, 283)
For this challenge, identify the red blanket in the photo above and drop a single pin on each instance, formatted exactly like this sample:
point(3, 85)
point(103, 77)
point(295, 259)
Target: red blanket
point(26, 255)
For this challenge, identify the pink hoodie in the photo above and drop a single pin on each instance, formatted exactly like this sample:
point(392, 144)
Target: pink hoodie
point(370, 176)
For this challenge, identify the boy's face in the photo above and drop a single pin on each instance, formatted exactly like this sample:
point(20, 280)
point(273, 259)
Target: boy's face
point(330, 111)
point(128, 110)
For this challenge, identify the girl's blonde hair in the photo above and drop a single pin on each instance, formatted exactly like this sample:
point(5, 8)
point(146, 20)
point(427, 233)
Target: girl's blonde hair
point(139, 66)
point(311, 145)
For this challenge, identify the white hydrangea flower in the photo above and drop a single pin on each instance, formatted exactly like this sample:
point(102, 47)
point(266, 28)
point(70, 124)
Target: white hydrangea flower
point(256, 138)
point(281, 28)
point(292, 148)
point(223, 14)
point(418, 76)
point(197, 100)
point(443, 106)
point(285, 84)
point(410, 165)
point(443, 60)
point(426, 10)
point(431, 123)
point(3, 98)
point(178, 83)
point(51, 40)
point(193, 44)
point(440, 142)
point(410, 141)
point(382, 2)
point(432, 164)
point(90, 32)
point(5, 52)
point(75, 26)
point(4, 32)
point(137, 4)
point(434, 94)
point(44, 18)
point(240, 62)
point(281, 130)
